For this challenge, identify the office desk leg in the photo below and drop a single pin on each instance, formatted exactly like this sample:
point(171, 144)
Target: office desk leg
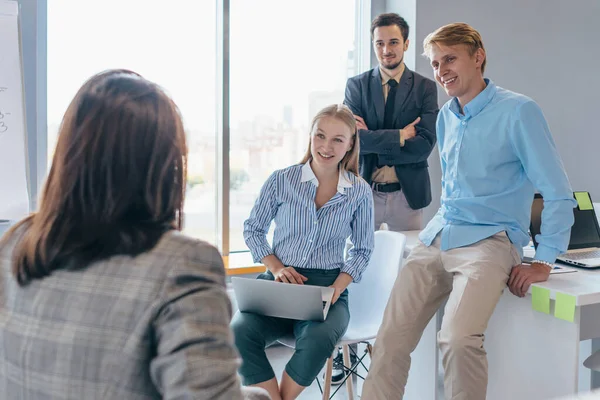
point(531, 355)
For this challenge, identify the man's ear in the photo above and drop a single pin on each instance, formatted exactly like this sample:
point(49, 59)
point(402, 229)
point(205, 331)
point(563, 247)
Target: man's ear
point(480, 56)
point(406, 43)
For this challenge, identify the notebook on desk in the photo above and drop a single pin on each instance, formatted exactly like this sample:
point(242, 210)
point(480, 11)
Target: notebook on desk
point(584, 243)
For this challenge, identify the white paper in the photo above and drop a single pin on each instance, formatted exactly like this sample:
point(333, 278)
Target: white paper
point(14, 199)
point(562, 270)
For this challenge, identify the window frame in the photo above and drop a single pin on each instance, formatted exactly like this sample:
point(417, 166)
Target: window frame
point(34, 22)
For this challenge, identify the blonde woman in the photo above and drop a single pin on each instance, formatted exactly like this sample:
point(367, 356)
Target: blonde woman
point(316, 206)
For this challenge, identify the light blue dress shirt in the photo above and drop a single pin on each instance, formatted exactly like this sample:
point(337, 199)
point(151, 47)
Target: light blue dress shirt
point(493, 159)
point(305, 237)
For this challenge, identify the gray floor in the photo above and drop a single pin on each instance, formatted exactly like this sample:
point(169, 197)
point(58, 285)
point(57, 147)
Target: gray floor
point(279, 356)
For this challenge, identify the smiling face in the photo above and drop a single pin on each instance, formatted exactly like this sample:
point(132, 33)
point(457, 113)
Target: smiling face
point(457, 70)
point(330, 140)
point(389, 46)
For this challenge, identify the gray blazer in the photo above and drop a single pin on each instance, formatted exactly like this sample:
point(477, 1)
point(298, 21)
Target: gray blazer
point(150, 327)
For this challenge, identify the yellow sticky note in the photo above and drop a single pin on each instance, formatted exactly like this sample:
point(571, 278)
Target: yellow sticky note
point(564, 308)
point(583, 201)
point(540, 299)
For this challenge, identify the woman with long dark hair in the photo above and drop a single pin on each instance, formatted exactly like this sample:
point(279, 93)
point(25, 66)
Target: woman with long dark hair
point(101, 296)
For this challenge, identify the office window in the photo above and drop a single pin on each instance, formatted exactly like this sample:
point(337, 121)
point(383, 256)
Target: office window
point(172, 45)
point(289, 59)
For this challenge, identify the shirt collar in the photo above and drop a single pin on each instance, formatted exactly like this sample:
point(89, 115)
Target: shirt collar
point(385, 77)
point(475, 106)
point(309, 176)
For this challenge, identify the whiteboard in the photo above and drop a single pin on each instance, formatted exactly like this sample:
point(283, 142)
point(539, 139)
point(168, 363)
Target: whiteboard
point(14, 198)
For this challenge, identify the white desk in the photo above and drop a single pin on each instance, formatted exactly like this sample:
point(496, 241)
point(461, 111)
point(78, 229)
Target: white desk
point(537, 356)
point(531, 355)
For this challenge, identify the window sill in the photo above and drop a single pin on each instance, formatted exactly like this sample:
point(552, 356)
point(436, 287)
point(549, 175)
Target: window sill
point(241, 263)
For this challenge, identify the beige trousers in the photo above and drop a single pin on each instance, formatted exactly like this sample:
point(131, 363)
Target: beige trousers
point(472, 278)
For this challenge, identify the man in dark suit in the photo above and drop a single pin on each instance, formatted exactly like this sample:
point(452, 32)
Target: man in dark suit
point(396, 110)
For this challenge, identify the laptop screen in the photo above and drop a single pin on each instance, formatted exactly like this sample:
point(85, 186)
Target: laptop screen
point(585, 231)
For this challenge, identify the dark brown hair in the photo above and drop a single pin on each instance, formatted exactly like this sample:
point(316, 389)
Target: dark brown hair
point(390, 19)
point(117, 180)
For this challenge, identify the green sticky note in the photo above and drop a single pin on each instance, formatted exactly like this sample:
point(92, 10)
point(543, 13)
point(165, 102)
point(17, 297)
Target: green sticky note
point(583, 201)
point(564, 307)
point(540, 299)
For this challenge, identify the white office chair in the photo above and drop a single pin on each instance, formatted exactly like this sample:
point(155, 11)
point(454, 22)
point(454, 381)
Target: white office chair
point(366, 301)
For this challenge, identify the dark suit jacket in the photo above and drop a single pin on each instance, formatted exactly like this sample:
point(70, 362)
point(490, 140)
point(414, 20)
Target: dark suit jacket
point(416, 97)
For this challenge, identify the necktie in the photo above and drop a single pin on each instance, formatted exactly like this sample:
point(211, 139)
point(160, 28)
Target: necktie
point(388, 116)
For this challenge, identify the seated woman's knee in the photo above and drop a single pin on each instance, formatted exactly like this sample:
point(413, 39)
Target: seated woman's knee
point(320, 337)
point(244, 329)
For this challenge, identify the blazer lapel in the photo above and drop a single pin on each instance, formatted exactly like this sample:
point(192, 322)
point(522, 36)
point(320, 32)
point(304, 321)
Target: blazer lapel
point(376, 92)
point(405, 86)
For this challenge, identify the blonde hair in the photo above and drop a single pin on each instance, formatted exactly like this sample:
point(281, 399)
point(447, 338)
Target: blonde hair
point(453, 34)
point(342, 113)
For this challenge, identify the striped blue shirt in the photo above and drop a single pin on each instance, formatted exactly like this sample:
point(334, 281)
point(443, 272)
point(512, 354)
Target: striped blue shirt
point(306, 237)
point(493, 158)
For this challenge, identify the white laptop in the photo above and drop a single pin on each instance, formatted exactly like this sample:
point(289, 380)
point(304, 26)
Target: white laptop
point(584, 244)
point(283, 300)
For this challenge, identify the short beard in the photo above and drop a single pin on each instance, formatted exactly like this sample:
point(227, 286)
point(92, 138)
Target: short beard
point(394, 66)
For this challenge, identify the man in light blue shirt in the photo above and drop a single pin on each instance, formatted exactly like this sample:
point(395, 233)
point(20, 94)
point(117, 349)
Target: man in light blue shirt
point(496, 150)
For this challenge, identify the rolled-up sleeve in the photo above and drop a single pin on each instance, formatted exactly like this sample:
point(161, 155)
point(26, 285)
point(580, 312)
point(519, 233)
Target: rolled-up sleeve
point(261, 216)
point(363, 238)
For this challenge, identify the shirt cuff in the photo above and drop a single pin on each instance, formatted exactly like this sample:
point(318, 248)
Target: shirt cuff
point(351, 270)
point(545, 253)
point(261, 252)
point(401, 139)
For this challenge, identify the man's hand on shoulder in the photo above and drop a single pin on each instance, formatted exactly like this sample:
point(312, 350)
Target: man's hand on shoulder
point(523, 275)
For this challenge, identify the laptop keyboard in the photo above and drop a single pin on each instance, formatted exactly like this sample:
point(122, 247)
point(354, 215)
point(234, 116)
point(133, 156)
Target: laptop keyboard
point(584, 254)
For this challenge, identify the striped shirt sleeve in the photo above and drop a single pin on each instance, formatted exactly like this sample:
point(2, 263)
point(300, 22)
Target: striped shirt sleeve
point(261, 216)
point(362, 238)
